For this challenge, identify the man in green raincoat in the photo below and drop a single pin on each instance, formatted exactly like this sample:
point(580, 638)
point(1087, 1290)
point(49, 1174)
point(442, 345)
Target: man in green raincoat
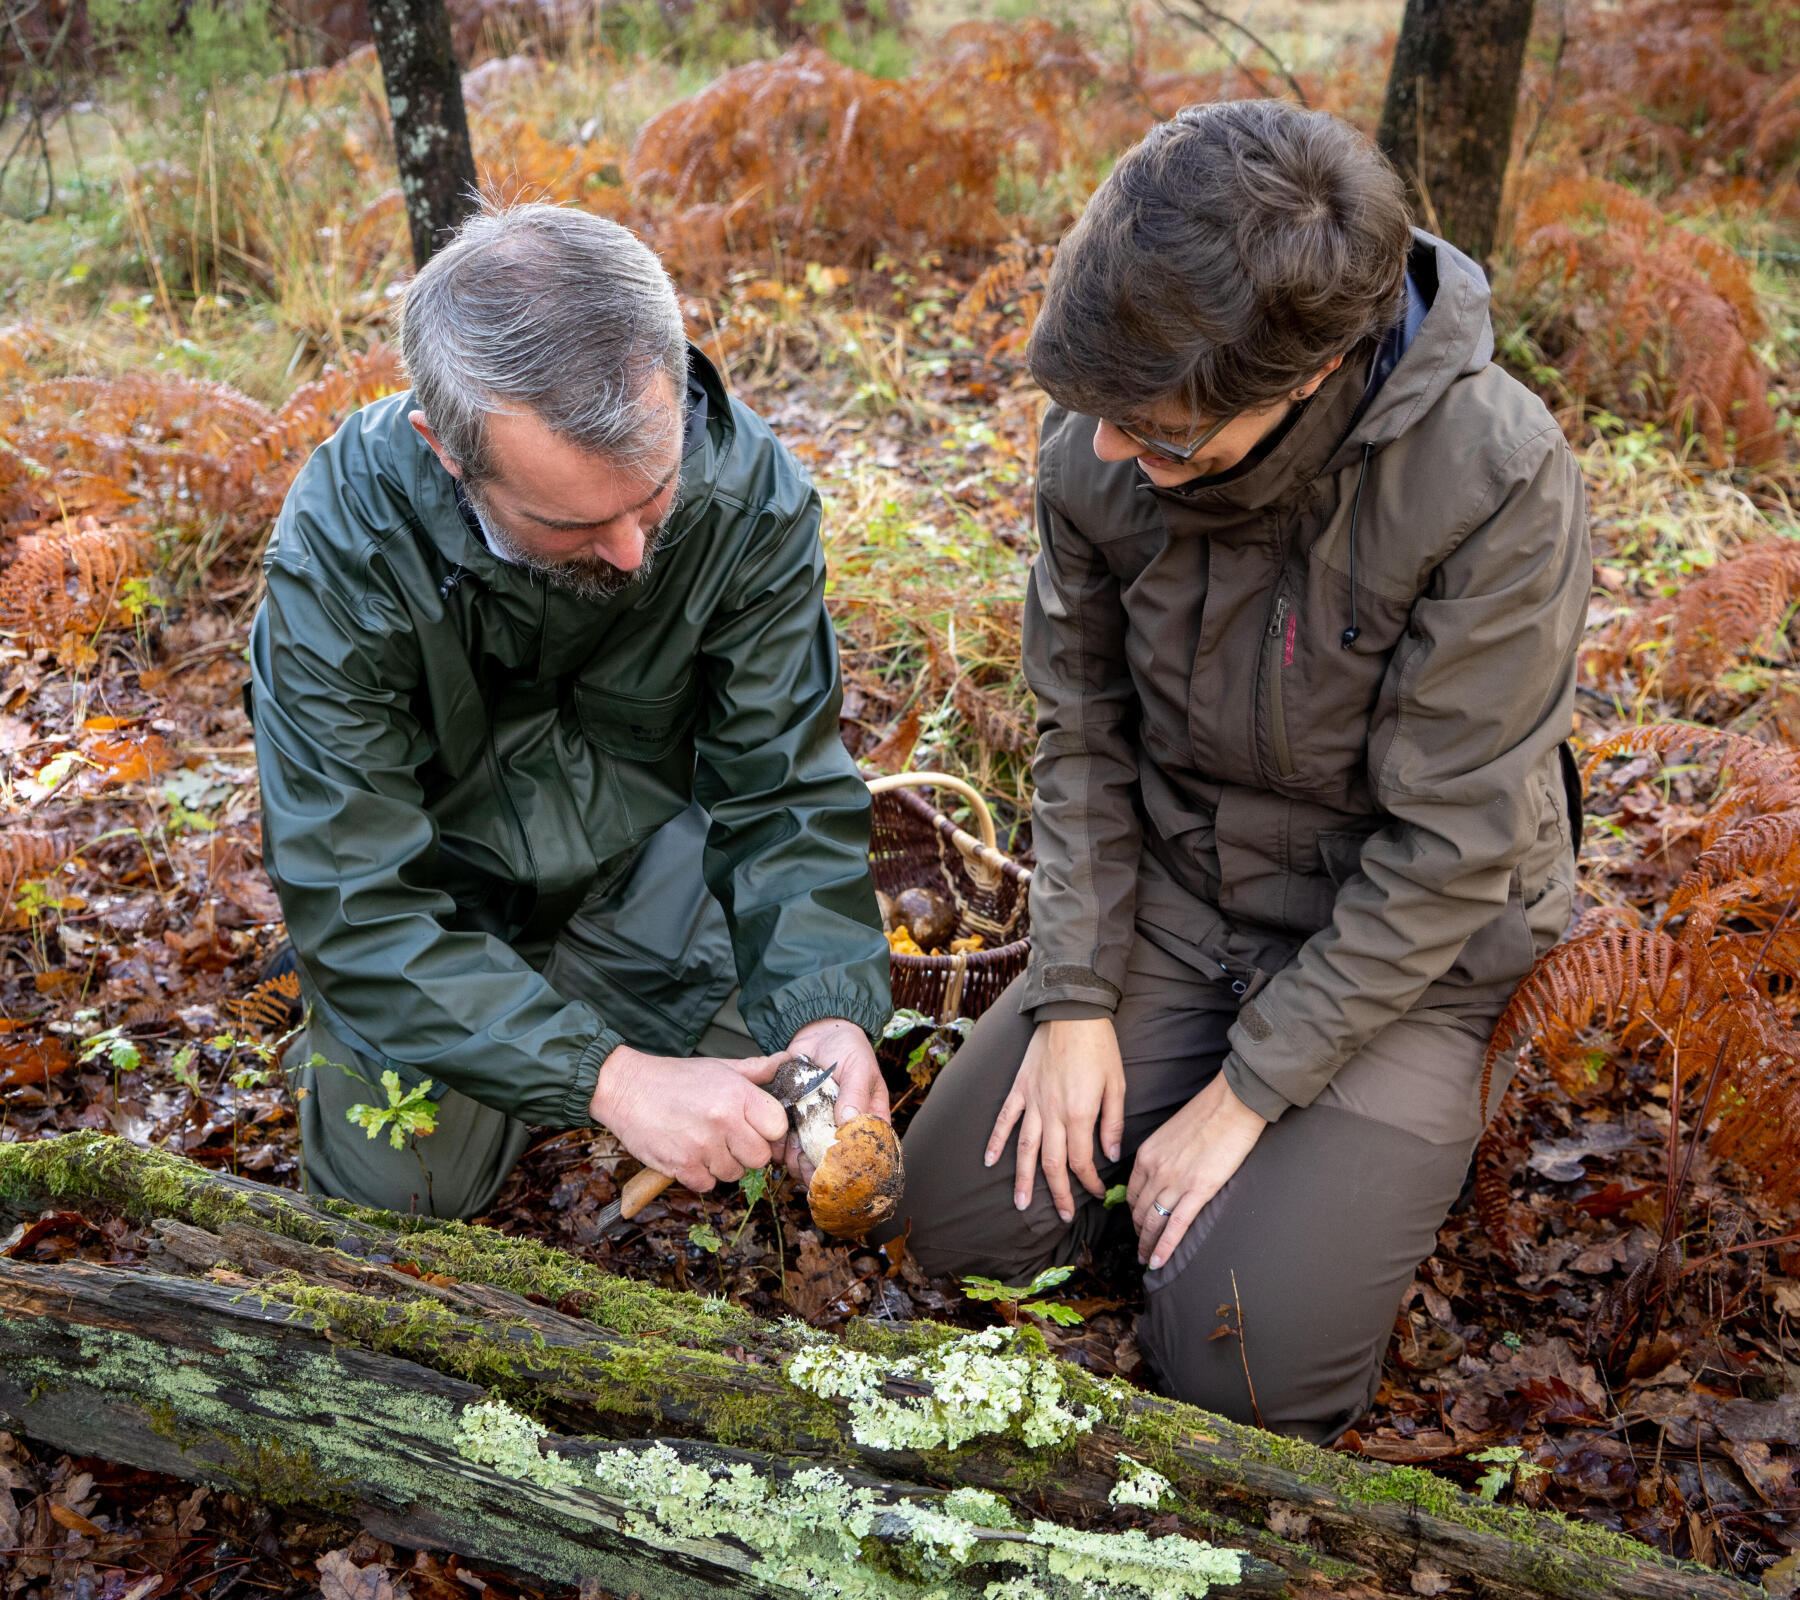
point(546, 699)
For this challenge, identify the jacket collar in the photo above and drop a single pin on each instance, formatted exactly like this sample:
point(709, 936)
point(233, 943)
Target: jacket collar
point(1296, 458)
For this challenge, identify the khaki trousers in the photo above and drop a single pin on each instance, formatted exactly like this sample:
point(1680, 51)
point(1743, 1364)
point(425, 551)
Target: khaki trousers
point(454, 1171)
point(1316, 1237)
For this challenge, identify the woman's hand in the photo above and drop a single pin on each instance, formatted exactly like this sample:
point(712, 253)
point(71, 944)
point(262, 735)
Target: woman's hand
point(1071, 1076)
point(1185, 1163)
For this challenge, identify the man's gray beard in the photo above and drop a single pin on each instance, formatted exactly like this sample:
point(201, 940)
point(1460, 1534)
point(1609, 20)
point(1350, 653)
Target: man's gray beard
point(586, 577)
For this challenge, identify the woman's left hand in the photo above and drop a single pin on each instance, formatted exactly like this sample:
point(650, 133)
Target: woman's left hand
point(1185, 1163)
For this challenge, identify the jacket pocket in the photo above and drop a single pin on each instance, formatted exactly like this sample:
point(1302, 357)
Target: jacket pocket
point(637, 727)
point(1340, 853)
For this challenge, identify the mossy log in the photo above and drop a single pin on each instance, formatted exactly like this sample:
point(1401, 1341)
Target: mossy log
point(274, 1345)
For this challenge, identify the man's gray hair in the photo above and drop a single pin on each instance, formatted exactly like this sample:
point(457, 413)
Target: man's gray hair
point(552, 310)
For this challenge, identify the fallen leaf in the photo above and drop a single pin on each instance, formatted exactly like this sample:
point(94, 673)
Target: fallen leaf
point(1427, 1577)
point(823, 1275)
point(340, 1578)
point(1770, 1475)
point(1560, 1159)
point(75, 1522)
point(33, 1060)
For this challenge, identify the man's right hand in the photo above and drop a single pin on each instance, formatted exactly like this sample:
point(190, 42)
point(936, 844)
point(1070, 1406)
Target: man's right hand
point(1071, 1077)
point(702, 1120)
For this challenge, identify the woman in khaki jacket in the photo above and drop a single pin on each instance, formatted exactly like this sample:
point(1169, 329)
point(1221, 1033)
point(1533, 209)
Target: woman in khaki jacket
point(1303, 637)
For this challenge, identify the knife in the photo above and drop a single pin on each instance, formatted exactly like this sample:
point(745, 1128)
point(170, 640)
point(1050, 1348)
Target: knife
point(797, 1078)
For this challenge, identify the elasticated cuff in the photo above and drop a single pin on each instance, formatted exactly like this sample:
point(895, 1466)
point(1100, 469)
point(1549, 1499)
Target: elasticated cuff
point(843, 1004)
point(1267, 1103)
point(575, 1112)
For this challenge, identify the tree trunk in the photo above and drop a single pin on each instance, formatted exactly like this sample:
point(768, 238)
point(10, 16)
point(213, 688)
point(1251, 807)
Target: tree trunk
point(431, 128)
point(283, 1348)
point(1447, 118)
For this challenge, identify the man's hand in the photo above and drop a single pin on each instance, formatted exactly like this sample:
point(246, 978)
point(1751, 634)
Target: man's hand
point(1187, 1161)
point(701, 1120)
point(1071, 1076)
point(859, 1083)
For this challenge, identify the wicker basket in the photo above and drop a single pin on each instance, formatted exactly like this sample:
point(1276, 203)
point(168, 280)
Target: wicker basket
point(914, 845)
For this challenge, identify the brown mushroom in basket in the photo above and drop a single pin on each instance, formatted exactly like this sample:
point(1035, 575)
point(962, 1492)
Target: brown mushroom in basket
point(929, 915)
point(857, 1175)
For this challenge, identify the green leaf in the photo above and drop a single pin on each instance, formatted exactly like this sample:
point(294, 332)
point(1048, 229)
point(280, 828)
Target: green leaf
point(754, 1185)
point(706, 1236)
point(1049, 1278)
point(1115, 1196)
point(182, 1068)
point(904, 1022)
point(1053, 1311)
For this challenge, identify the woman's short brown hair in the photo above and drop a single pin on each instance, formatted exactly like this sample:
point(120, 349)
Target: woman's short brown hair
point(1228, 258)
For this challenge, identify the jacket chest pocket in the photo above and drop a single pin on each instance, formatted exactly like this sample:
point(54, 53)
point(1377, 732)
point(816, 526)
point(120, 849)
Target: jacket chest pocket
point(1320, 692)
point(643, 728)
point(650, 740)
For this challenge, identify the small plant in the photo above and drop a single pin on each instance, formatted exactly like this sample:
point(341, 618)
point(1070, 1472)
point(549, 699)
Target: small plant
point(932, 1053)
point(1014, 1301)
point(1506, 1466)
point(183, 1071)
point(408, 1114)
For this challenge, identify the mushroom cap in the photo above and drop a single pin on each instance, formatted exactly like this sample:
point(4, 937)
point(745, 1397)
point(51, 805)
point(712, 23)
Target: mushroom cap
point(857, 1186)
point(931, 917)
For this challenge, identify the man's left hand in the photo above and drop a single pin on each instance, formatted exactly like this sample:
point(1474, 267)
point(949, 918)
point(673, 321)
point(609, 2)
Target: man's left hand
point(860, 1087)
point(1187, 1161)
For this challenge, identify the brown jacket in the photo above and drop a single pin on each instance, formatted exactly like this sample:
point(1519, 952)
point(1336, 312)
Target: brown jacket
point(1341, 752)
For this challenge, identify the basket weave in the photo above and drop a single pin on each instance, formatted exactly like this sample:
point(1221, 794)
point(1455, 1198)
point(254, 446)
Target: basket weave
point(913, 845)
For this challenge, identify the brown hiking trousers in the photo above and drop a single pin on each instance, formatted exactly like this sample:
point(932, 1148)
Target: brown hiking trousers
point(1322, 1227)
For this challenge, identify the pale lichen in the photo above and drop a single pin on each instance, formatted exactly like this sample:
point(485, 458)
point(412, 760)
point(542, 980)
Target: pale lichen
point(492, 1434)
point(816, 1533)
point(1139, 1485)
point(980, 1384)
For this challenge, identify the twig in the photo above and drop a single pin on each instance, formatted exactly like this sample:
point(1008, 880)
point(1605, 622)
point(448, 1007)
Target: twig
point(1206, 19)
point(1244, 1351)
point(1548, 104)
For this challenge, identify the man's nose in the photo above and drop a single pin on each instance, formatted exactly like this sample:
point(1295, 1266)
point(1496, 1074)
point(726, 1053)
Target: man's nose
point(622, 547)
point(1112, 445)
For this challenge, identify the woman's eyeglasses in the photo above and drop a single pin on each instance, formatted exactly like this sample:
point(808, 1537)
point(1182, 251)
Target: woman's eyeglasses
point(1180, 454)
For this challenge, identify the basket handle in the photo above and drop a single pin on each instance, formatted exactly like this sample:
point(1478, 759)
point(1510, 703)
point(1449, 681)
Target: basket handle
point(983, 855)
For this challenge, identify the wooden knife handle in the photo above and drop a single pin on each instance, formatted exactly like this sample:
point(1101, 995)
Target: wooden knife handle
point(640, 1189)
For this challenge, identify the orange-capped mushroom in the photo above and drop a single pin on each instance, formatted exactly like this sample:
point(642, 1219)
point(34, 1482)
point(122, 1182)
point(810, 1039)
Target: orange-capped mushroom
point(856, 1168)
point(857, 1185)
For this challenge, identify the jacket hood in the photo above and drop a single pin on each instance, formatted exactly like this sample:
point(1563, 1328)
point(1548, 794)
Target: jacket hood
point(1454, 339)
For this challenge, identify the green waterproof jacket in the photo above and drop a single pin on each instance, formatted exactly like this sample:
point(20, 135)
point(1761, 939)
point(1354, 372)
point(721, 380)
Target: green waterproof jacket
point(456, 760)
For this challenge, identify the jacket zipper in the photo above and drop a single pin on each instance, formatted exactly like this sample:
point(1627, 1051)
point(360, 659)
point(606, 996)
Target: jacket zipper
point(1282, 626)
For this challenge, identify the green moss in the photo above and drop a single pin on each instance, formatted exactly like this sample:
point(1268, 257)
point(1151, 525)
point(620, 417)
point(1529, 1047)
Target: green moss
point(284, 1476)
point(649, 1378)
point(143, 1182)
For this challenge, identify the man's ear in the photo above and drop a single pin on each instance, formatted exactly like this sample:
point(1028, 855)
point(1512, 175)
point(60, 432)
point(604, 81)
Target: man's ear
point(417, 419)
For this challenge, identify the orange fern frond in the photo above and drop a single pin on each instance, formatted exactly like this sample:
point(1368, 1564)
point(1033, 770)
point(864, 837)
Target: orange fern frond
point(68, 581)
point(1648, 307)
point(257, 473)
point(272, 1006)
point(32, 852)
point(1763, 776)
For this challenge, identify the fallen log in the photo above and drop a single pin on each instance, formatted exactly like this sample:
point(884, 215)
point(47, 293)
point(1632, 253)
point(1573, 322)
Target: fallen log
point(519, 1406)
